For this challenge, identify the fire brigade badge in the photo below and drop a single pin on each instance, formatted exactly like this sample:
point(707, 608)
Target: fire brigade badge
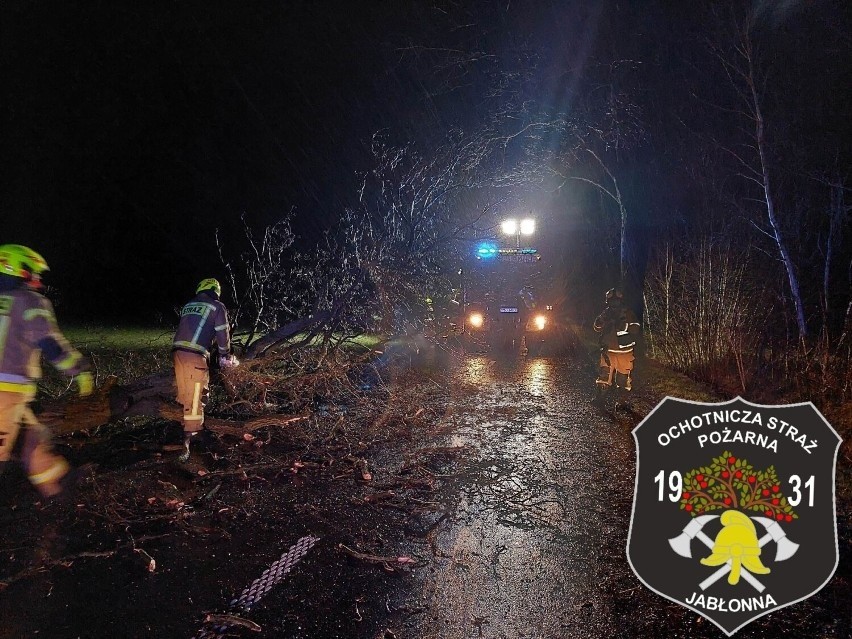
point(733, 510)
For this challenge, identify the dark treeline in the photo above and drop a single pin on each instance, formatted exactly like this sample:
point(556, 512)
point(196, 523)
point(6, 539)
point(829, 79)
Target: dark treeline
point(750, 276)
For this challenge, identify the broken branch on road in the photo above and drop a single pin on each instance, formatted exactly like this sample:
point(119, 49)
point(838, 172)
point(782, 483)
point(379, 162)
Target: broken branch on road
point(379, 559)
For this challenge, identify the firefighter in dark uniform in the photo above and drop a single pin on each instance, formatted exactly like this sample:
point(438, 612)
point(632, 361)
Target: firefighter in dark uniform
point(28, 330)
point(203, 326)
point(618, 329)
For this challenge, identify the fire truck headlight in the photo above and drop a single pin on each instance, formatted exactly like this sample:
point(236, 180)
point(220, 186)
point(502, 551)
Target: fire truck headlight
point(540, 322)
point(476, 320)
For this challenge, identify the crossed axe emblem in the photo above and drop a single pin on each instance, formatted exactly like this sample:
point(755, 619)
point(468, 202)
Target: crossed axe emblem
point(682, 545)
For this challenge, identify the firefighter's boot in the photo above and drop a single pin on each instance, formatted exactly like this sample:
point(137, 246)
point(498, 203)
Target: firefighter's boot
point(187, 438)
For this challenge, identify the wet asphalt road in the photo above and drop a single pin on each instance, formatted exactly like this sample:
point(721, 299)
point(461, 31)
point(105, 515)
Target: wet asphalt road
point(538, 531)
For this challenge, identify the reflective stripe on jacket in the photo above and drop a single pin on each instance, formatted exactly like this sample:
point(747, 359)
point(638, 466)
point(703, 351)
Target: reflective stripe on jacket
point(618, 327)
point(27, 327)
point(203, 320)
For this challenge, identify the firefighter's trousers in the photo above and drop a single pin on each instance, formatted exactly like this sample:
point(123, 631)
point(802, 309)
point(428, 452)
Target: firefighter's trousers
point(616, 367)
point(44, 467)
point(193, 388)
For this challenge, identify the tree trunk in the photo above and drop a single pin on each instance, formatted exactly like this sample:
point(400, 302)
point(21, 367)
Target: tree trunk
point(151, 396)
point(760, 140)
point(261, 346)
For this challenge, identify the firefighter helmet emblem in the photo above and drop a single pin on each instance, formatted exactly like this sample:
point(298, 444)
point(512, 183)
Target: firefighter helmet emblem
point(733, 511)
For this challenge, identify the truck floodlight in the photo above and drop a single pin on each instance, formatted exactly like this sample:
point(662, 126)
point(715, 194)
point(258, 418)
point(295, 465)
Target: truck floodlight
point(509, 227)
point(540, 322)
point(527, 227)
point(476, 320)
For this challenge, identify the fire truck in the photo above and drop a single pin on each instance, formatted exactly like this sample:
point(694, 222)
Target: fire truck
point(505, 303)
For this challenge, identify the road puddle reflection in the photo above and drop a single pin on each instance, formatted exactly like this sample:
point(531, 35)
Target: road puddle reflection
point(538, 379)
point(478, 370)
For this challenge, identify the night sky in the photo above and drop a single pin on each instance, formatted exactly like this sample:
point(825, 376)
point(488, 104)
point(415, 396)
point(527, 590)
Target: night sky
point(132, 131)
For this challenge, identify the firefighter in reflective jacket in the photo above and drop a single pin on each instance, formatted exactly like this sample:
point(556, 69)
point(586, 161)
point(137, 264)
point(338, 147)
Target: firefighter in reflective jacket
point(618, 328)
point(203, 326)
point(28, 330)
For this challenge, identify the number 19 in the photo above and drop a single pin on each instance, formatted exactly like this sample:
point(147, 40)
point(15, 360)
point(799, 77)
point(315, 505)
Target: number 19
point(675, 485)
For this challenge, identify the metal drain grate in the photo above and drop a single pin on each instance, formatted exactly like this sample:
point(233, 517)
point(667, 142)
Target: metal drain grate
point(259, 587)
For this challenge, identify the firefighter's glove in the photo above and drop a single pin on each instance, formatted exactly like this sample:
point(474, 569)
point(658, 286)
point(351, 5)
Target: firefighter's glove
point(228, 361)
point(85, 384)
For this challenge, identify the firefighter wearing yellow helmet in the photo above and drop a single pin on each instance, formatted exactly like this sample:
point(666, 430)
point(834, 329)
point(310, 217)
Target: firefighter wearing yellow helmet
point(203, 327)
point(28, 330)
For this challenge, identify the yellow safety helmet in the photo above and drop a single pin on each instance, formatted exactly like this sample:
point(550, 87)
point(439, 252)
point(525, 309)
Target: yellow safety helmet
point(21, 261)
point(208, 284)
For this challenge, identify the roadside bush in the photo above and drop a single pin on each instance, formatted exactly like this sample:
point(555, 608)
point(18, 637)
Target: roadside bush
point(713, 312)
point(706, 313)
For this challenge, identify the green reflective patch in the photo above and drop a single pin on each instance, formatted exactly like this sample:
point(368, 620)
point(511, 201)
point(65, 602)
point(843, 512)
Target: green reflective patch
point(68, 362)
point(194, 309)
point(6, 304)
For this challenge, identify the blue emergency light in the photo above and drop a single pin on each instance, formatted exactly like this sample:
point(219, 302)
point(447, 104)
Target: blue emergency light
point(486, 251)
